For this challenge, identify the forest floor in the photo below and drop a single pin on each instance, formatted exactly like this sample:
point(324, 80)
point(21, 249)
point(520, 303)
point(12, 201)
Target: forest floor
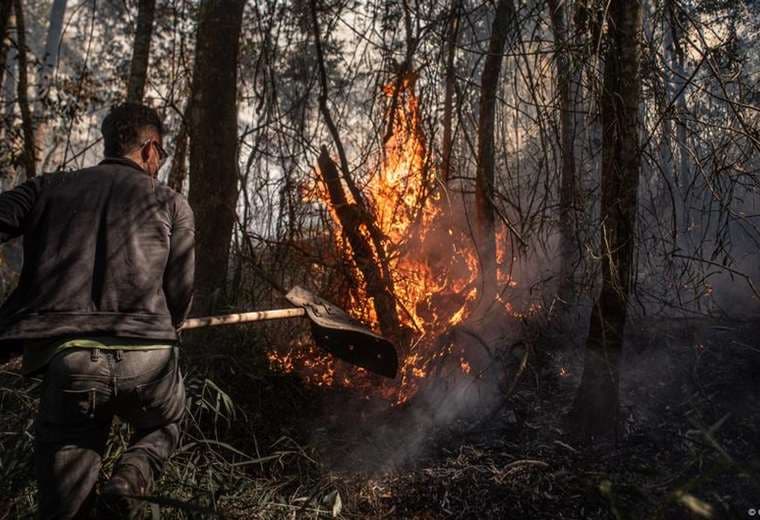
point(263, 445)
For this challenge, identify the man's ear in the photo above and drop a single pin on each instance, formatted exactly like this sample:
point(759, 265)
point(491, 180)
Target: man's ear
point(145, 153)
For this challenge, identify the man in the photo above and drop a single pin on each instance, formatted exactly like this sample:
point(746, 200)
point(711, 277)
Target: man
point(106, 283)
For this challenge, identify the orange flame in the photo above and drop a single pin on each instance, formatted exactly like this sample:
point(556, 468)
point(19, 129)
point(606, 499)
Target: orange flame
point(431, 258)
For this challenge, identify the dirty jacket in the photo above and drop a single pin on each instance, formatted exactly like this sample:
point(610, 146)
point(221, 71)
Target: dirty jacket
point(108, 251)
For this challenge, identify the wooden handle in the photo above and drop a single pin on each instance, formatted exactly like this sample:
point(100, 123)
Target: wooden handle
point(243, 317)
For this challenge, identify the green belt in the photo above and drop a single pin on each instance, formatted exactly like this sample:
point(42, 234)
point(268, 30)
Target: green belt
point(38, 353)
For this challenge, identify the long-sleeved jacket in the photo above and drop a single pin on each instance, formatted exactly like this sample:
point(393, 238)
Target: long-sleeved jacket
point(108, 251)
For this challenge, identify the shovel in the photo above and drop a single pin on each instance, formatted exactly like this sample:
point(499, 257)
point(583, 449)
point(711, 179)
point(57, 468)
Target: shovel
point(333, 331)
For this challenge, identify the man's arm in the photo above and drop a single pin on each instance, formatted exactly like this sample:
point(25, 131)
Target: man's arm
point(180, 269)
point(15, 205)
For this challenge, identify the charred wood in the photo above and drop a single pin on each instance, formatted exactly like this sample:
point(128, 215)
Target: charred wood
point(352, 220)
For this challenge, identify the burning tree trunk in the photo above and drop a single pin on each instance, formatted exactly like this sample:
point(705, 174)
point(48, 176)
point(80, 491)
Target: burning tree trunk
point(351, 221)
point(484, 193)
point(213, 143)
point(596, 407)
point(30, 153)
point(138, 69)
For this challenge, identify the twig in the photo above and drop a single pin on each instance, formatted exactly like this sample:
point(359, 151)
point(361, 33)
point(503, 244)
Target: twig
point(721, 266)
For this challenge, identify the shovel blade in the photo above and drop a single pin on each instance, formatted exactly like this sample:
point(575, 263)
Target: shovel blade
point(345, 338)
point(373, 353)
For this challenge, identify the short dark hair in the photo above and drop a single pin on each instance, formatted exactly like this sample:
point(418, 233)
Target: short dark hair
point(123, 125)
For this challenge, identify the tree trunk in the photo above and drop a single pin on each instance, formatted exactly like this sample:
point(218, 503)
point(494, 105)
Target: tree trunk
point(484, 191)
point(10, 57)
point(138, 69)
point(30, 155)
point(213, 144)
point(452, 35)
point(5, 17)
point(52, 43)
point(9, 83)
point(567, 88)
point(47, 69)
point(178, 172)
point(351, 219)
point(595, 411)
point(666, 138)
point(677, 64)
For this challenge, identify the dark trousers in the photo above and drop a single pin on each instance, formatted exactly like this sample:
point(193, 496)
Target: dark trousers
point(82, 391)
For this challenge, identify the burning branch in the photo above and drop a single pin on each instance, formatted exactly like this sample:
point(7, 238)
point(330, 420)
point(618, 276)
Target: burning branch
point(352, 220)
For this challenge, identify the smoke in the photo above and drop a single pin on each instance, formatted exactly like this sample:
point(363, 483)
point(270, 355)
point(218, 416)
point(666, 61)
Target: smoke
point(380, 436)
point(470, 366)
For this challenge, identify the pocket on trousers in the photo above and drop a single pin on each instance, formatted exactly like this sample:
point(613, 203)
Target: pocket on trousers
point(162, 400)
point(156, 394)
point(79, 402)
point(71, 407)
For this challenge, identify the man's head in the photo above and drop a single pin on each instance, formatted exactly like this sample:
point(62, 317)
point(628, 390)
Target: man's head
point(136, 132)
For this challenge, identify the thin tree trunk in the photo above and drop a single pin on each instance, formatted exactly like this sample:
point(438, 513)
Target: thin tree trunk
point(666, 142)
point(178, 172)
point(595, 411)
point(452, 35)
point(578, 95)
point(682, 174)
point(52, 43)
point(30, 155)
point(484, 193)
point(46, 71)
point(9, 95)
point(6, 8)
point(440, 242)
point(9, 83)
point(567, 120)
point(213, 144)
point(668, 193)
point(138, 69)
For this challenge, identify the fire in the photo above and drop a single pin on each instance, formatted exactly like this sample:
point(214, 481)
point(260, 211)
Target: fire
point(303, 357)
point(430, 254)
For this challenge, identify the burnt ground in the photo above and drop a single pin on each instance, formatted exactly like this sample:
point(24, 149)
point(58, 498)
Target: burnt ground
point(264, 445)
point(688, 445)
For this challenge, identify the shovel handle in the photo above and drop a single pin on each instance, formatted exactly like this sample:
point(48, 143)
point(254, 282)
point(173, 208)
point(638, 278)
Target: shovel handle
point(243, 317)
